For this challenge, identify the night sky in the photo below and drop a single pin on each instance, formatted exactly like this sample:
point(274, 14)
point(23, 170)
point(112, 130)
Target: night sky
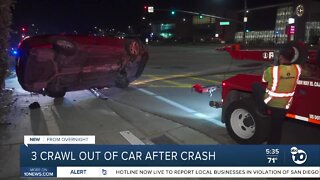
point(55, 16)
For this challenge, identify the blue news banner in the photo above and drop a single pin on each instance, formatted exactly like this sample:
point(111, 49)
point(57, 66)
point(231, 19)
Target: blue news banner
point(43, 160)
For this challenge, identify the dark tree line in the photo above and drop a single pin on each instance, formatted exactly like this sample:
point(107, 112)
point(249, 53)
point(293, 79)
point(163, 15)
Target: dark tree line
point(6, 7)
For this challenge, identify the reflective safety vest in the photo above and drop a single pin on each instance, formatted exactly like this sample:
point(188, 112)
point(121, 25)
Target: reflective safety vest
point(282, 82)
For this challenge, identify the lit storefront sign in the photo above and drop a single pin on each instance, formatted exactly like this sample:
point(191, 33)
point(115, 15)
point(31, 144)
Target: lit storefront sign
point(299, 10)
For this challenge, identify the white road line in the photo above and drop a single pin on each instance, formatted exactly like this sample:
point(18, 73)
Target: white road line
point(146, 92)
point(131, 138)
point(182, 107)
point(176, 104)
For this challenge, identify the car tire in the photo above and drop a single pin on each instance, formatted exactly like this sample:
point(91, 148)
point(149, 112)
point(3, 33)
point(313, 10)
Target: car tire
point(55, 93)
point(122, 81)
point(142, 64)
point(20, 67)
point(64, 46)
point(245, 124)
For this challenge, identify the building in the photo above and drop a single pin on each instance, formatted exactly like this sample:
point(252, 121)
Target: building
point(299, 21)
point(186, 29)
point(293, 20)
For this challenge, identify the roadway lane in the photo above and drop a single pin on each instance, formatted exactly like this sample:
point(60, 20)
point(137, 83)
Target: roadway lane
point(165, 87)
point(81, 113)
point(165, 90)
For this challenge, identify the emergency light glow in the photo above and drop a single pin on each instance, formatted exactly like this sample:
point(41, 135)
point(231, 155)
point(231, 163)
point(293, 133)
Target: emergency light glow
point(14, 52)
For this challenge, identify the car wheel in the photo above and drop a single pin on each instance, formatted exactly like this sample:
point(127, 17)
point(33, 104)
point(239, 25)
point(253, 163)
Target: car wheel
point(142, 64)
point(244, 124)
point(122, 81)
point(64, 46)
point(55, 93)
point(133, 47)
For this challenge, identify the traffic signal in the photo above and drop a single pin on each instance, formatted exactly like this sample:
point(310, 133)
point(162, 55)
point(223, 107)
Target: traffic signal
point(145, 8)
point(23, 29)
point(173, 12)
point(148, 9)
point(247, 30)
point(201, 16)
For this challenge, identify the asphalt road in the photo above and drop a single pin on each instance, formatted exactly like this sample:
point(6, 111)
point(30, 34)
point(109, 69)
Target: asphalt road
point(165, 90)
point(158, 108)
point(165, 87)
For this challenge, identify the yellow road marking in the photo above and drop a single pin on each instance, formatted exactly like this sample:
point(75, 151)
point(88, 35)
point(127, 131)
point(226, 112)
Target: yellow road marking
point(161, 86)
point(177, 84)
point(164, 79)
point(161, 78)
point(206, 80)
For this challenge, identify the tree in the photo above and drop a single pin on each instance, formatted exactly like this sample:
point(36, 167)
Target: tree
point(5, 21)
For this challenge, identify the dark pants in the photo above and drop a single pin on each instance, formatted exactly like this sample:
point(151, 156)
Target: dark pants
point(275, 131)
point(258, 95)
point(277, 115)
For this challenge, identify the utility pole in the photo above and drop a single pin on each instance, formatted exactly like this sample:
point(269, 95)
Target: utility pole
point(244, 22)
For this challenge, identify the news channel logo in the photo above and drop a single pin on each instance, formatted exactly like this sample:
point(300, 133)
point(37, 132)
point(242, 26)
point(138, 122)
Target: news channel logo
point(104, 172)
point(299, 156)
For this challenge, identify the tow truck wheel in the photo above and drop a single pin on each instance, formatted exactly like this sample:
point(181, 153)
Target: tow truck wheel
point(244, 124)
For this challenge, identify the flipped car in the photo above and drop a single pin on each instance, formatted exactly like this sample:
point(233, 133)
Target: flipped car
point(55, 64)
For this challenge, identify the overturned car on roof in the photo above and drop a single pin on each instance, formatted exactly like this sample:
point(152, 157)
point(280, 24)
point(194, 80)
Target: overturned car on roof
point(55, 64)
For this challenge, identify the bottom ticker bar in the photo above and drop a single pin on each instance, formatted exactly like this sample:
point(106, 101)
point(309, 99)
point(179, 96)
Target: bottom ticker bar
point(187, 172)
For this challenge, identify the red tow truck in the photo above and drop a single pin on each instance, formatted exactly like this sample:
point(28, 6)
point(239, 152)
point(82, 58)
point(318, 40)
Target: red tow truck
point(244, 123)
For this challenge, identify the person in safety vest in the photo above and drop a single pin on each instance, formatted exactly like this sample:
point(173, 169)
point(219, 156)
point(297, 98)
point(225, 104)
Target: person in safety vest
point(277, 97)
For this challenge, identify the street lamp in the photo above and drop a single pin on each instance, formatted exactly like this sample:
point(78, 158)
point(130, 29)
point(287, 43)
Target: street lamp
point(245, 19)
